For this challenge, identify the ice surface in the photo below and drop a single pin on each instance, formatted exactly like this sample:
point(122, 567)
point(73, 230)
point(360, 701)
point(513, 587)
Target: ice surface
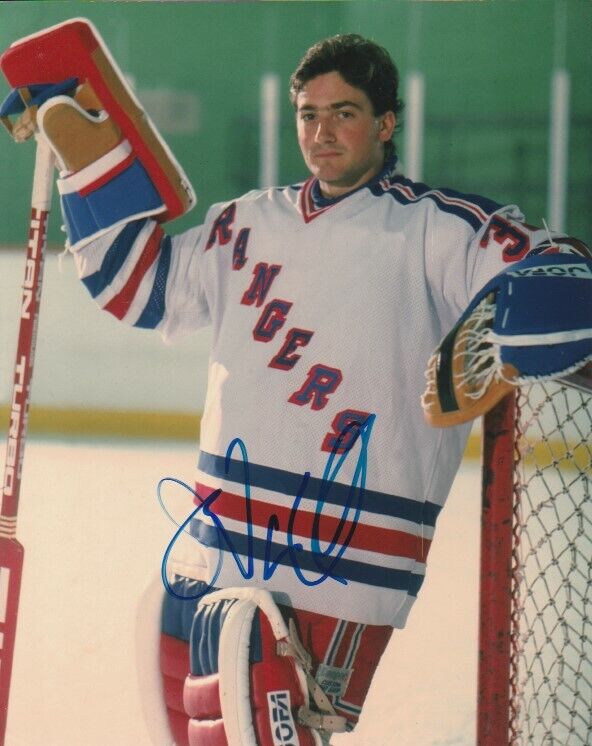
point(94, 536)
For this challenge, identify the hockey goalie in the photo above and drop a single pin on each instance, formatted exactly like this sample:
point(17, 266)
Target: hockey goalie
point(319, 480)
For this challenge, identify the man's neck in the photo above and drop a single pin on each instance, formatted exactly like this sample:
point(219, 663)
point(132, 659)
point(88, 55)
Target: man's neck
point(329, 193)
point(335, 190)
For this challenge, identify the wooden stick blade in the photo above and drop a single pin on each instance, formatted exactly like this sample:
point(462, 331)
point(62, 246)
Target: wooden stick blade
point(11, 567)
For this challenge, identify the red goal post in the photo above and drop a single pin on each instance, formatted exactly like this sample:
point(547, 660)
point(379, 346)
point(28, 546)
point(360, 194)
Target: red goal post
point(535, 600)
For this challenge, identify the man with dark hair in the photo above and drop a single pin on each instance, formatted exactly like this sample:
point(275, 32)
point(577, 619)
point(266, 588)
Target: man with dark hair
point(361, 64)
point(319, 482)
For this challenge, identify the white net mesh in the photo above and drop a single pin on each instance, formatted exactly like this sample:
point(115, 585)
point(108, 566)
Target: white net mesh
point(551, 678)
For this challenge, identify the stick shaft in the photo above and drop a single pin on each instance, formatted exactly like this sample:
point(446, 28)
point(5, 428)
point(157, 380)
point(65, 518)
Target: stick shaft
point(11, 551)
point(25, 353)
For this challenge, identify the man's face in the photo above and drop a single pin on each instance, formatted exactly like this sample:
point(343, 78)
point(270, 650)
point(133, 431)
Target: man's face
point(341, 139)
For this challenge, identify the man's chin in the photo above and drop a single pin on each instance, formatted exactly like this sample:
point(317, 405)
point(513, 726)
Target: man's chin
point(327, 171)
point(332, 177)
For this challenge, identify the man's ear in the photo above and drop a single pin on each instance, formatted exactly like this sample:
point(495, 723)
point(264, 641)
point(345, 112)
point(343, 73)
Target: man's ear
point(387, 123)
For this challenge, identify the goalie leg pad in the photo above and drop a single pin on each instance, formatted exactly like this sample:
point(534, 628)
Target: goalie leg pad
point(240, 690)
point(248, 671)
point(174, 657)
point(75, 49)
point(175, 623)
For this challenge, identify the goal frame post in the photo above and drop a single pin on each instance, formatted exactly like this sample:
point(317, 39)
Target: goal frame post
point(498, 689)
point(497, 490)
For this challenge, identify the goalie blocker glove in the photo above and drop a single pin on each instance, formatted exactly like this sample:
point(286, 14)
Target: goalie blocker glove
point(261, 674)
point(106, 192)
point(115, 165)
point(532, 322)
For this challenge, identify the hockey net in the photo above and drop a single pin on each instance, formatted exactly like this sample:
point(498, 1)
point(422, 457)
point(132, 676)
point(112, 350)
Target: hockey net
point(535, 658)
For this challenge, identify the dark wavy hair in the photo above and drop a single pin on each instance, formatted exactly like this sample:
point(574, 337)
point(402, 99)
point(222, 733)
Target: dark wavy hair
point(361, 63)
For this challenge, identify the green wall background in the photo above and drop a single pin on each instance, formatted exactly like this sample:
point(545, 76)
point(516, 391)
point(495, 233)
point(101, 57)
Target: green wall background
point(487, 67)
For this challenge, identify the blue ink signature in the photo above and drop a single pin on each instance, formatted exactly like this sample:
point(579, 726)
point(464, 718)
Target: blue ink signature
point(324, 559)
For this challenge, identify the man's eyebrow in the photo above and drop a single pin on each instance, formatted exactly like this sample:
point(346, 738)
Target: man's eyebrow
point(336, 105)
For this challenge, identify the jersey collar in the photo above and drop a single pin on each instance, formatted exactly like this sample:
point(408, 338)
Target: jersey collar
point(313, 203)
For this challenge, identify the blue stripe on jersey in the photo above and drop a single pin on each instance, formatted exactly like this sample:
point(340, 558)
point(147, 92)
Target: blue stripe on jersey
point(335, 493)
point(486, 204)
point(154, 309)
point(423, 191)
point(314, 564)
point(114, 258)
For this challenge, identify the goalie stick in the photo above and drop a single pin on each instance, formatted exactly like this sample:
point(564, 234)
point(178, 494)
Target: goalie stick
point(11, 550)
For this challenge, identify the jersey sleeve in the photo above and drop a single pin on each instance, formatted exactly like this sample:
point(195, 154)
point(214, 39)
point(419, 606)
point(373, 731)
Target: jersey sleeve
point(147, 278)
point(506, 239)
point(461, 259)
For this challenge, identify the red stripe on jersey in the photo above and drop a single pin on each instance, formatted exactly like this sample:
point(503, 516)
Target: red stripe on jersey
point(108, 175)
point(463, 203)
point(365, 537)
point(307, 205)
point(410, 194)
point(120, 303)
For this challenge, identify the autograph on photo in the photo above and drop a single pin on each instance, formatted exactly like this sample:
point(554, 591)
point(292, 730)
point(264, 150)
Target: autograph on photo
point(325, 559)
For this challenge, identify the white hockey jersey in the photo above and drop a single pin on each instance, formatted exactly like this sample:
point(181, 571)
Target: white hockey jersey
point(324, 314)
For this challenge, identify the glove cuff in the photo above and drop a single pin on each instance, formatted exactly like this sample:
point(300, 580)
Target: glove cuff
point(109, 192)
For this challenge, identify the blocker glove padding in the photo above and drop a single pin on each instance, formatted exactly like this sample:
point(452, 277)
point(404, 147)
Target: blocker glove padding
point(97, 119)
point(114, 188)
point(533, 321)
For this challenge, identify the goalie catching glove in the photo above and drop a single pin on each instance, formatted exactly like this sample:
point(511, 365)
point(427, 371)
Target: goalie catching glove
point(531, 322)
point(115, 165)
point(261, 674)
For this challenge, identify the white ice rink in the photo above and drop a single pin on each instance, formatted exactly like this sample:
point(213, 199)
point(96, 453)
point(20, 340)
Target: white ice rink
point(94, 536)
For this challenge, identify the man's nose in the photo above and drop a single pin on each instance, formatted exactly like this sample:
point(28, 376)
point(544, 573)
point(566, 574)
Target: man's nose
point(325, 131)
